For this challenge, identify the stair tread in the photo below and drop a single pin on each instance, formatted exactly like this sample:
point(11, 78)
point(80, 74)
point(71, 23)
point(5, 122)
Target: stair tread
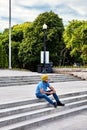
point(74, 97)
point(25, 114)
point(24, 80)
point(70, 95)
point(42, 118)
point(77, 102)
point(22, 107)
point(38, 103)
point(36, 111)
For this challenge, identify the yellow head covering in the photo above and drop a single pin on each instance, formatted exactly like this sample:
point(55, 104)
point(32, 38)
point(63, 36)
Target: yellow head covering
point(44, 77)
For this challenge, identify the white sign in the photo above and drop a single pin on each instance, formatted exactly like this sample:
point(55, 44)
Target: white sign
point(46, 57)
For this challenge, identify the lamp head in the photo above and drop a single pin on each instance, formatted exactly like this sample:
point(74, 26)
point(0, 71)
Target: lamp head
point(44, 26)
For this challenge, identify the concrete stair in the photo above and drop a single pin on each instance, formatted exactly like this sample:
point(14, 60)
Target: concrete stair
point(28, 114)
point(25, 80)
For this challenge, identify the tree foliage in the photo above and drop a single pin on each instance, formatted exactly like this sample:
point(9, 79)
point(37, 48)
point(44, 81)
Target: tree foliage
point(17, 34)
point(75, 38)
point(3, 57)
point(33, 42)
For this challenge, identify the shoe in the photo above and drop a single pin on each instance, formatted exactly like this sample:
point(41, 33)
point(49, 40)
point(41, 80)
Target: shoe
point(54, 104)
point(60, 104)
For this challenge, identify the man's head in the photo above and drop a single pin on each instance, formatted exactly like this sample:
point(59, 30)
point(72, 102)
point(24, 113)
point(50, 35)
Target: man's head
point(44, 78)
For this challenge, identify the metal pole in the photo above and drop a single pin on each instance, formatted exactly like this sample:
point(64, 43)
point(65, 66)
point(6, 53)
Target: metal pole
point(9, 34)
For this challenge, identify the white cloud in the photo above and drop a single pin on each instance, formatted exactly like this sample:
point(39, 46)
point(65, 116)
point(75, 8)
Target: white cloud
point(79, 6)
point(28, 10)
point(3, 24)
point(4, 6)
point(38, 2)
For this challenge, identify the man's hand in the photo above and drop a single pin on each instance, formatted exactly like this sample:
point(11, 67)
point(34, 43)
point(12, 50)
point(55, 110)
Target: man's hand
point(52, 92)
point(49, 92)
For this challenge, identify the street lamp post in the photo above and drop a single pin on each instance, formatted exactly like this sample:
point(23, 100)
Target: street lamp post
point(44, 28)
point(9, 34)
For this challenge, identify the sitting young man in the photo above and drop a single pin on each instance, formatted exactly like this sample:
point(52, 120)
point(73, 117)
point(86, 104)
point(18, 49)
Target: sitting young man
point(43, 92)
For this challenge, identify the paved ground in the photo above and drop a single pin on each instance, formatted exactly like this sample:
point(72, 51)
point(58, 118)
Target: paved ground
point(16, 93)
point(7, 72)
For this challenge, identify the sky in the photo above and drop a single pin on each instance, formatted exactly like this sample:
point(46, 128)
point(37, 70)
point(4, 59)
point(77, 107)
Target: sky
point(28, 10)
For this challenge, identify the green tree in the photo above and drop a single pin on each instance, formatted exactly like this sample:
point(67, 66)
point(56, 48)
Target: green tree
point(33, 42)
point(75, 38)
point(3, 57)
point(17, 37)
point(17, 34)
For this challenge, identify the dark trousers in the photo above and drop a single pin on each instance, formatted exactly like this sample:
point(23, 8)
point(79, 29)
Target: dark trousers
point(45, 96)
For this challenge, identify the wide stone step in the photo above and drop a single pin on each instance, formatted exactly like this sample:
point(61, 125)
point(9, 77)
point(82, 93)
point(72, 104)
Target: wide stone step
point(73, 99)
point(36, 106)
point(25, 125)
point(22, 109)
point(25, 80)
point(22, 115)
point(37, 113)
point(35, 100)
